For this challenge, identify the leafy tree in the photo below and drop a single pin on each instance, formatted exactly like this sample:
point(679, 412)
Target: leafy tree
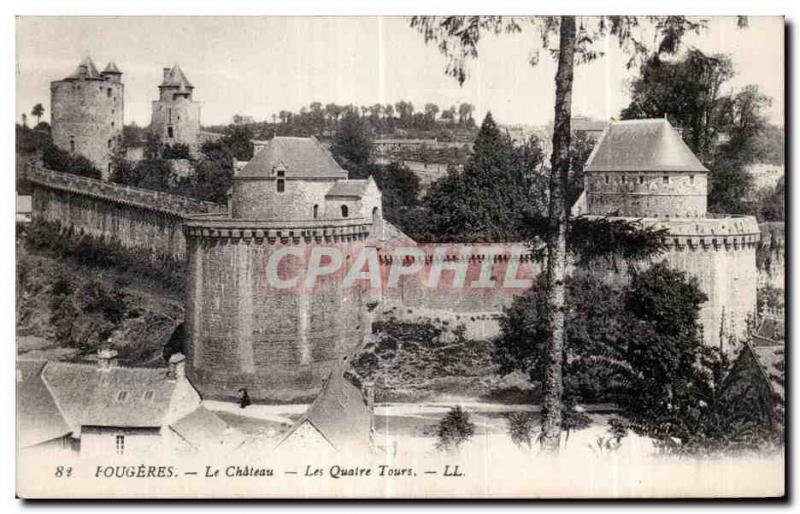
point(24, 120)
point(490, 197)
point(457, 37)
point(239, 142)
point(580, 149)
point(213, 174)
point(352, 145)
point(38, 111)
point(176, 151)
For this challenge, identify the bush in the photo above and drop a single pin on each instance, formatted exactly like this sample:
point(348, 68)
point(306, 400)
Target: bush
point(176, 151)
point(454, 430)
point(59, 160)
point(521, 428)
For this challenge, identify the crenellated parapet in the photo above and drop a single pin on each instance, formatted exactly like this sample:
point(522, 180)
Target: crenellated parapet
point(145, 199)
point(729, 232)
point(214, 229)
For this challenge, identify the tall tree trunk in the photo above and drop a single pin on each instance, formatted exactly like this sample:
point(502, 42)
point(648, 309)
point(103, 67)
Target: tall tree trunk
point(557, 242)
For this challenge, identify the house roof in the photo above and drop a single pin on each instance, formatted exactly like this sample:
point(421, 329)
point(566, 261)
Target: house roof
point(353, 188)
point(91, 70)
point(642, 145)
point(122, 397)
point(176, 78)
point(580, 123)
point(112, 68)
point(340, 413)
point(772, 360)
point(299, 157)
point(201, 427)
point(38, 416)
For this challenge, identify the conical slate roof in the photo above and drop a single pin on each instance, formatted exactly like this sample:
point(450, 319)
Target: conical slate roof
point(176, 78)
point(297, 157)
point(112, 68)
point(91, 70)
point(642, 145)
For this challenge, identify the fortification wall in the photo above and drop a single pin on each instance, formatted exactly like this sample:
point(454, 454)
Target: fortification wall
point(245, 331)
point(87, 118)
point(139, 219)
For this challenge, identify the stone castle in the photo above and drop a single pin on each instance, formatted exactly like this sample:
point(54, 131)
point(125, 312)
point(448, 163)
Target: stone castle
point(292, 198)
point(87, 113)
point(87, 109)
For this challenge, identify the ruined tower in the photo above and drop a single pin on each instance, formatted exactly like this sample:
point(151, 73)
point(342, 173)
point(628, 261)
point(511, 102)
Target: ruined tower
point(642, 170)
point(253, 320)
point(176, 117)
point(86, 111)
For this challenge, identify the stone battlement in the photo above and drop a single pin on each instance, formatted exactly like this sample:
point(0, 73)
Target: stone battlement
point(713, 231)
point(164, 203)
point(239, 230)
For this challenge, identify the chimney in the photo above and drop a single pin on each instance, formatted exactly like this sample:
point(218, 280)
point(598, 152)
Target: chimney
point(106, 359)
point(177, 367)
point(166, 73)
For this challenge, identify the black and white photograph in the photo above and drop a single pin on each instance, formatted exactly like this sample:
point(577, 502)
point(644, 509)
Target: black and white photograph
point(395, 257)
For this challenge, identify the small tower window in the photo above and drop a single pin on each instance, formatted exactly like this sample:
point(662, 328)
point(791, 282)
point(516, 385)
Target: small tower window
point(280, 185)
point(623, 179)
point(170, 133)
point(316, 211)
point(345, 211)
point(109, 143)
point(112, 124)
point(607, 179)
point(120, 444)
point(691, 179)
point(641, 179)
point(71, 144)
point(665, 179)
point(108, 92)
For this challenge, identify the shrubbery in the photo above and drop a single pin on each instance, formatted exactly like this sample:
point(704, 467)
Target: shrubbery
point(454, 430)
point(51, 238)
point(57, 159)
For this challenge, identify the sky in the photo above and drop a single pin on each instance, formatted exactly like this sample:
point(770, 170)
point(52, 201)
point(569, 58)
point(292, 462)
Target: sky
point(258, 66)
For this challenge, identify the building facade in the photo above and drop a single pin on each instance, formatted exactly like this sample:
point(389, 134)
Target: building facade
point(86, 111)
point(176, 116)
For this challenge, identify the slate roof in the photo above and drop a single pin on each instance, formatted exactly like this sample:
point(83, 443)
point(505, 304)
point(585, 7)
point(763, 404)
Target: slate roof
point(120, 397)
point(38, 417)
point(201, 427)
point(91, 71)
point(340, 413)
point(772, 360)
point(112, 68)
point(352, 188)
point(642, 145)
point(299, 157)
point(176, 78)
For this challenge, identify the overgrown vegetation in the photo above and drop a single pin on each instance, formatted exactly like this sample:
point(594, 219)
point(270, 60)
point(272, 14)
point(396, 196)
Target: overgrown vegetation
point(638, 345)
point(50, 238)
point(66, 162)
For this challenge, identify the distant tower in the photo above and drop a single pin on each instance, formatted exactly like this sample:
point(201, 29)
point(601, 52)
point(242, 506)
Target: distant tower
point(86, 111)
point(176, 118)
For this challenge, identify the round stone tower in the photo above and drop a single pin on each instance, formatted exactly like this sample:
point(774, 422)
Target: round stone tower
point(255, 317)
point(642, 170)
point(86, 110)
point(176, 117)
